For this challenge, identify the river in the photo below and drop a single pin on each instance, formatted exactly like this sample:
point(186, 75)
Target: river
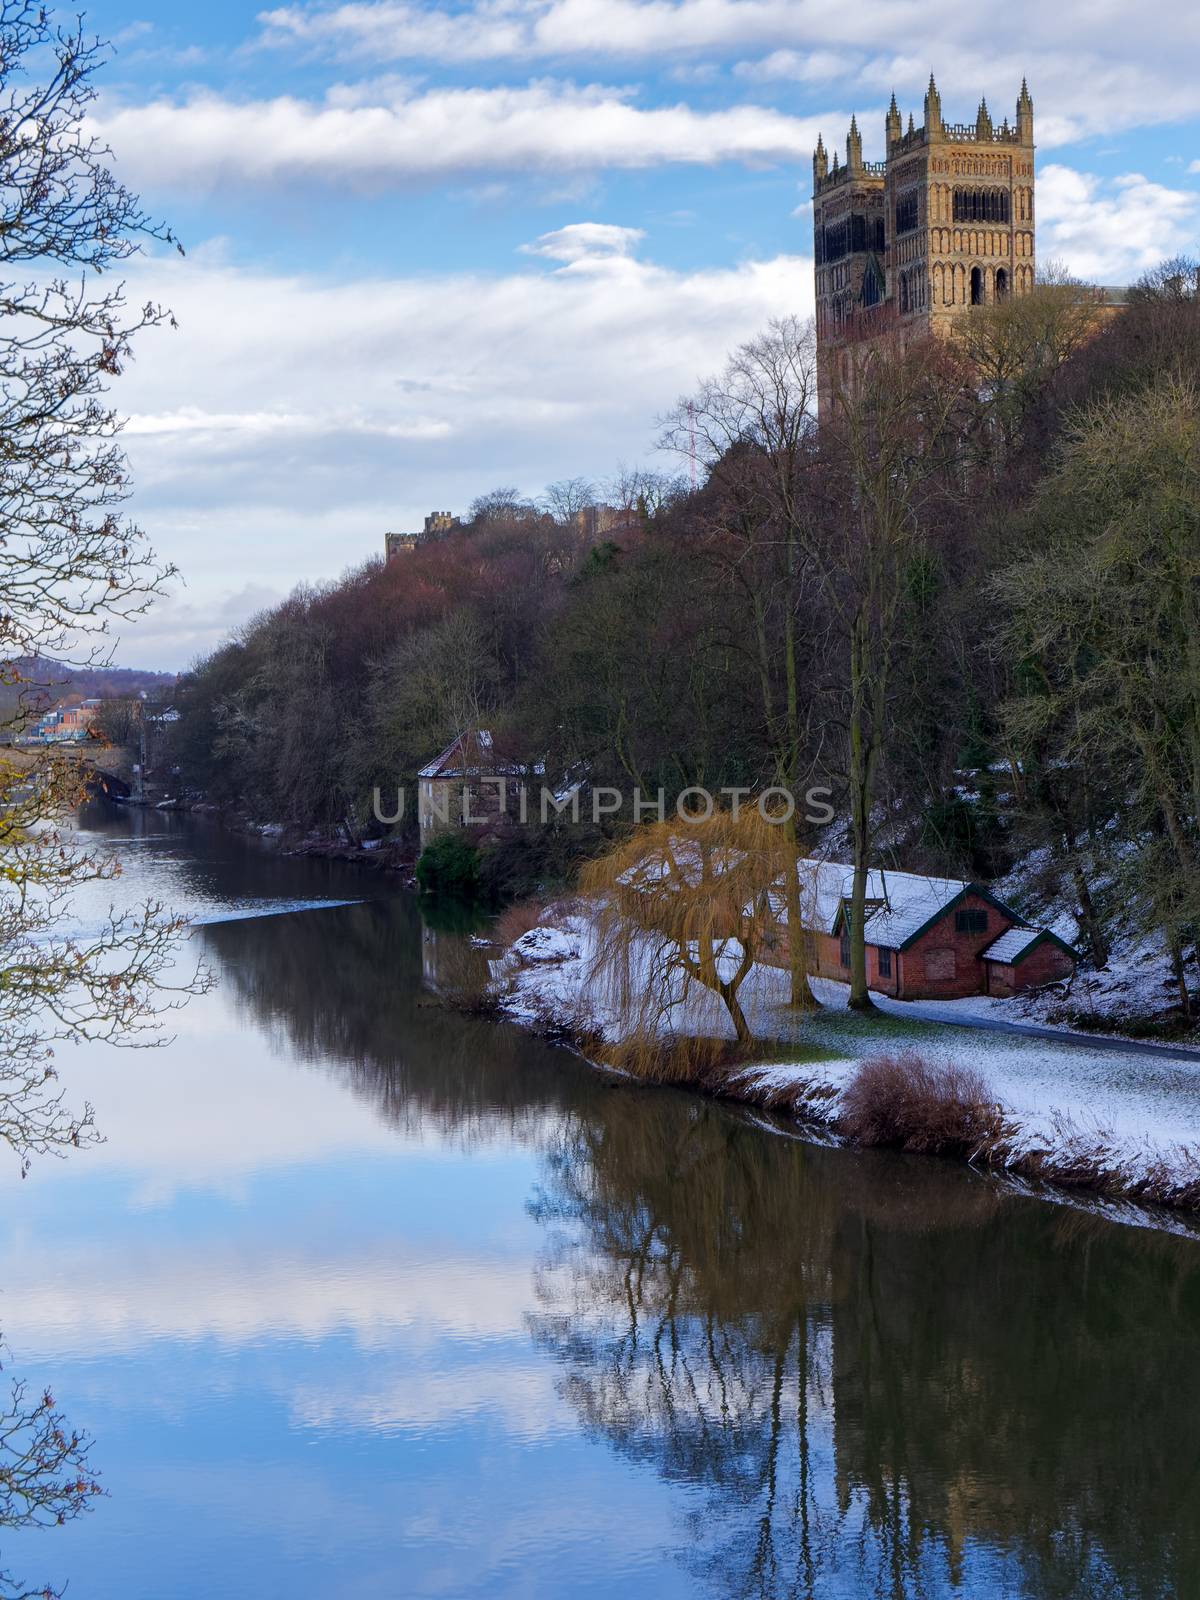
point(364, 1297)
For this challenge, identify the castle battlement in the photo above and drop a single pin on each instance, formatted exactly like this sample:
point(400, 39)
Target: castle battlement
point(967, 134)
point(943, 223)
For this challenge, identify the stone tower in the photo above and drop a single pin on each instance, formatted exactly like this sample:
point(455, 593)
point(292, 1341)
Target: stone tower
point(943, 223)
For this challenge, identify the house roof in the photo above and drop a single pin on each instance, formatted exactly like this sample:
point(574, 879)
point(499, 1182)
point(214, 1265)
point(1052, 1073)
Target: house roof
point(1016, 943)
point(473, 752)
point(905, 903)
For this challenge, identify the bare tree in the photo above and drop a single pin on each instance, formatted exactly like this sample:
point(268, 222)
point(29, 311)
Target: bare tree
point(643, 490)
point(45, 1479)
point(753, 429)
point(505, 504)
point(896, 437)
point(70, 565)
point(1014, 347)
point(565, 499)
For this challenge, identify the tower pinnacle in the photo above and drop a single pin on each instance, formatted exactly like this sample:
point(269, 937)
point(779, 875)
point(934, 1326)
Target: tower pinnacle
point(933, 109)
point(892, 123)
point(854, 146)
point(1025, 115)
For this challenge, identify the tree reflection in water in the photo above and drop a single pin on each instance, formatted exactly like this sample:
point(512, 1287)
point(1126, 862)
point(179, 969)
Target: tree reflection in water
point(890, 1377)
point(45, 1479)
point(868, 1375)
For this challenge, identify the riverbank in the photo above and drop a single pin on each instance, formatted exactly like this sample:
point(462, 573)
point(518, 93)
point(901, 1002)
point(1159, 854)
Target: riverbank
point(377, 855)
point(1056, 1108)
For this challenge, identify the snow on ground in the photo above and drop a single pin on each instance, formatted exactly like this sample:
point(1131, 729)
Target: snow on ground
point(1141, 1103)
point(1137, 981)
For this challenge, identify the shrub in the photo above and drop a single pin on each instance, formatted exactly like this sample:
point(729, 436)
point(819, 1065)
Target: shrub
point(449, 866)
point(534, 860)
point(905, 1102)
point(516, 920)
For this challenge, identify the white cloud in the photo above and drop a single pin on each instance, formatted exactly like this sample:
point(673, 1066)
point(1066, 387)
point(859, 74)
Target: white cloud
point(1111, 231)
point(75, 1301)
point(319, 415)
point(798, 66)
point(1195, 167)
point(585, 241)
point(404, 137)
point(1098, 72)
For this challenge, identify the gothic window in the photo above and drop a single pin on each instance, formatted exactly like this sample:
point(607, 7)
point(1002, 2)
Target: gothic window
point(878, 241)
point(982, 205)
point(906, 212)
point(1001, 284)
point(872, 285)
point(837, 241)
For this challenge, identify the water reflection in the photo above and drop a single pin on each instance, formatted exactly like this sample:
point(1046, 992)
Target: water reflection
point(892, 1379)
point(888, 1377)
point(366, 1297)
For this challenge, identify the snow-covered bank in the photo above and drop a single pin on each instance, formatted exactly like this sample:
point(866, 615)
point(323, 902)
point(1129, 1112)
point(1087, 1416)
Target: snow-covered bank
point(1078, 1112)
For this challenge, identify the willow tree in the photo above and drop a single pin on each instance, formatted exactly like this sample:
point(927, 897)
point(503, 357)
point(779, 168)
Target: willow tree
point(72, 567)
point(684, 910)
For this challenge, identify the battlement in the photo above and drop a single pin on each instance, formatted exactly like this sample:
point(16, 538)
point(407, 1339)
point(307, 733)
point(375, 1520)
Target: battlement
point(829, 175)
point(876, 170)
point(968, 133)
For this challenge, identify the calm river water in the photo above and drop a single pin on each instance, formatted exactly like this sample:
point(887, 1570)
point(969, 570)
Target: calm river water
point(366, 1298)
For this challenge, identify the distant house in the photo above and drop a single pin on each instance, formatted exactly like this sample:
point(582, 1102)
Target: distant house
point(928, 938)
point(64, 725)
point(476, 782)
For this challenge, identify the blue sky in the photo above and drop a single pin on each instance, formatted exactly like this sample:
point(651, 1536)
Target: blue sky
point(432, 249)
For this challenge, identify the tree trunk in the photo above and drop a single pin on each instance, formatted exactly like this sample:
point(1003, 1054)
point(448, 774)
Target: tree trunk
point(737, 1016)
point(802, 997)
point(1177, 967)
point(1087, 910)
point(860, 818)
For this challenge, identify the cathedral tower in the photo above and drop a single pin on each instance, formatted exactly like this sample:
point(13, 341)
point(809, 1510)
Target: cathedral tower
point(943, 223)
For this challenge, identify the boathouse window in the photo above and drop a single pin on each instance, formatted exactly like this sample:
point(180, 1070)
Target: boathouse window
point(845, 952)
point(885, 963)
point(970, 921)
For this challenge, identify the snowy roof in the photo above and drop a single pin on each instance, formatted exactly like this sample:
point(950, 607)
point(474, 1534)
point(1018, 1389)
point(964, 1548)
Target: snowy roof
point(899, 904)
point(473, 752)
point(1018, 942)
point(1012, 944)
